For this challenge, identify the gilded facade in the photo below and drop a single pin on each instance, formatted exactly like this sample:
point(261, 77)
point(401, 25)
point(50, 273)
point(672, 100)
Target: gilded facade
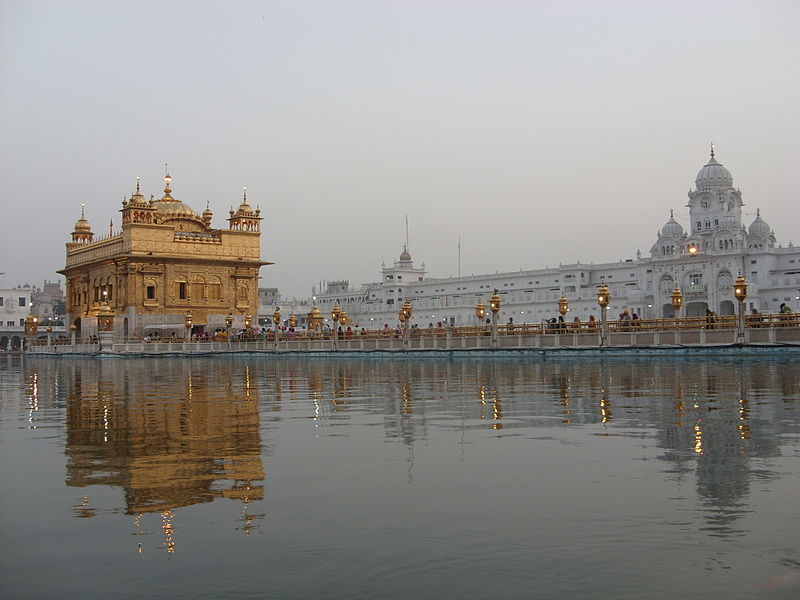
point(167, 262)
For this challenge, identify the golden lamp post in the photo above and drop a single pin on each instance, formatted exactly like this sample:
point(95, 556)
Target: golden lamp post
point(276, 321)
point(336, 312)
point(494, 306)
point(105, 326)
point(480, 313)
point(603, 298)
point(740, 292)
point(72, 331)
point(228, 325)
point(31, 328)
point(292, 320)
point(405, 318)
point(187, 323)
point(563, 306)
point(677, 301)
point(248, 323)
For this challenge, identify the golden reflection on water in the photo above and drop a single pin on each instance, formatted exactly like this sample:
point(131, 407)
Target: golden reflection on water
point(166, 446)
point(178, 432)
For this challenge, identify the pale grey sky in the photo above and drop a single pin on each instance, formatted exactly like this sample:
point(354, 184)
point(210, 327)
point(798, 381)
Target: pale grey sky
point(539, 132)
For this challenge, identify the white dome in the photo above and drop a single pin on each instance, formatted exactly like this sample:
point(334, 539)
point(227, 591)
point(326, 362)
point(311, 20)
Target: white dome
point(672, 228)
point(759, 226)
point(713, 175)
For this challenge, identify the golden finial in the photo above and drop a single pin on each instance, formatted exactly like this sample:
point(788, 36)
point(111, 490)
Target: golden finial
point(82, 207)
point(712, 149)
point(244, 197)
point(137, 184)
point(167, 181)
point(671, 215)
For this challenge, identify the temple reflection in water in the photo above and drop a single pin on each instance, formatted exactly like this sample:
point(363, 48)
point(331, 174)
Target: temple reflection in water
point(176, 432)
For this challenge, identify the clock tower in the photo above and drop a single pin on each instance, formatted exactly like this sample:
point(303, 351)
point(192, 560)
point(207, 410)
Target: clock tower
point(715, 210)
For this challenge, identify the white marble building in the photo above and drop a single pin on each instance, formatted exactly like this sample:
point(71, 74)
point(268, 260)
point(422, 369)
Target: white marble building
point(15, 305)
point(703, 262)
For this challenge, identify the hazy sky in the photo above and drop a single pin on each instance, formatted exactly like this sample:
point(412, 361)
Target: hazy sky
point(539, 132)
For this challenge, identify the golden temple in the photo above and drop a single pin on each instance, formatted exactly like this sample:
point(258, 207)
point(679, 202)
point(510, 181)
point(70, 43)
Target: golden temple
point(168, 266)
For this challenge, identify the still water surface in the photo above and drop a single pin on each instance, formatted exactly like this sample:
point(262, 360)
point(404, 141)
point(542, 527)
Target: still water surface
point(254, 477)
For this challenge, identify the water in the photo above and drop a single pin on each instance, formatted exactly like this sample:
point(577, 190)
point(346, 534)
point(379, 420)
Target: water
point(351, 478)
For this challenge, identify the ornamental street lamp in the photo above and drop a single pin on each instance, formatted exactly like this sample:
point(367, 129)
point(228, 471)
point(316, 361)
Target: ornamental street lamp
point(603, 298)
point(677, 301)
point(228, 325)
point(49, 334)
point(563, 305)
point(405, 317)
point(248, 321)
point(31, 328)
point(480, 312)
point(105, 327)
point(276, 321)
point(494, 306)
point(292, 320)
point(72, 329)
point(336, 312)
point(187, 323)
point(740, 293)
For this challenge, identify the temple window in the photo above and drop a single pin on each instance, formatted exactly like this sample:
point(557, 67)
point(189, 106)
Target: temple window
point(151, 292)
point(182, 290)
point(198, 290)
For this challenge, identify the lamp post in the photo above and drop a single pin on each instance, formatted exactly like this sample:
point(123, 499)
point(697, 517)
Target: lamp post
point(494, 306)
point(49, 334)
point(344, 320)
point(603, 298)
point(72, 329)
point(292, 320)
point(248, 323)
point(740, 292)
point(336, 312)
point(105, 327)
point(31, 328)
point(480, 313)
point(228, 325)
point(677, 301)
point(276, 320)
point(563, 307)
point(405, 317)
point(187, 323)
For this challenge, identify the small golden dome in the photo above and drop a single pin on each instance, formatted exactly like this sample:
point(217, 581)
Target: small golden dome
point(82, 225)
